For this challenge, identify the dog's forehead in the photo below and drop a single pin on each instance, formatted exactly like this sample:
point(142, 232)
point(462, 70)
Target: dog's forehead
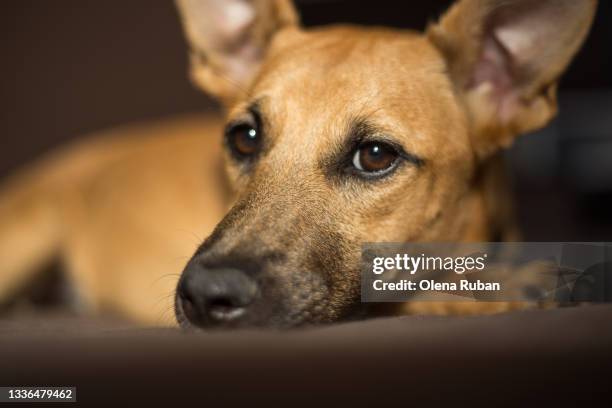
point(318, 82)
point(353, 60)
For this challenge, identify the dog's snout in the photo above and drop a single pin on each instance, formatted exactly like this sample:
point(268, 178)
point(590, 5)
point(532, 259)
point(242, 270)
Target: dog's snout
point(210, 296)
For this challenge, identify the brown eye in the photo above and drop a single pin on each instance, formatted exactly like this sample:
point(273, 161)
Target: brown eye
point(244, 140)
point(375, 157)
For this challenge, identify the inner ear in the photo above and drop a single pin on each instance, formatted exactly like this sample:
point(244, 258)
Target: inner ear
point(495, 67)
point(230, 38)
point(520, 42)
point(506, 56)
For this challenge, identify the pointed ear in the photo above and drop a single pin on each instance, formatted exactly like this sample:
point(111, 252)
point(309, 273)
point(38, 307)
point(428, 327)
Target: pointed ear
point(229, 39)
point(505, 58)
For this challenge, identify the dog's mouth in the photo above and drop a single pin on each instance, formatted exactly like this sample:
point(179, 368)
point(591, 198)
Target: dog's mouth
point(228, 317)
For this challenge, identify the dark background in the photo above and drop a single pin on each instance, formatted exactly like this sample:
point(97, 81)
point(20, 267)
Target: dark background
point(76, 66)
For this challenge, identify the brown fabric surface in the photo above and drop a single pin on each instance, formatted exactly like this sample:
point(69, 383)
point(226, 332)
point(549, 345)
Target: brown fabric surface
point(559, 355)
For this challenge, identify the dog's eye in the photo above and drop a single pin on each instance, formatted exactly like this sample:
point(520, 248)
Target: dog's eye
point(375, 157)
point(243, 139)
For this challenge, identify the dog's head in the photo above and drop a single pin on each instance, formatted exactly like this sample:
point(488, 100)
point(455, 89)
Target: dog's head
point(343, 135)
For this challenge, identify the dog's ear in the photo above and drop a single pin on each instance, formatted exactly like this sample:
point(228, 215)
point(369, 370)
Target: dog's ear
point(229, 38)
point(505, 58)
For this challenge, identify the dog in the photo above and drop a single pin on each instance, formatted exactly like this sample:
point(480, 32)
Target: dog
point(331, 137)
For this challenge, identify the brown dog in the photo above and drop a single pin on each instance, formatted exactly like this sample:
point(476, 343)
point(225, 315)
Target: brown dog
point(333, 137)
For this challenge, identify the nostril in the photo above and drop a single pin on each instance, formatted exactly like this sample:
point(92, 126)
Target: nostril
point(221, 303)
point(224, 308)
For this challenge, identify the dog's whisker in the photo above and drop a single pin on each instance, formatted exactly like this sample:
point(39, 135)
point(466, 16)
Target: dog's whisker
point(165, 297)
point(197, 237)
point(167, 276)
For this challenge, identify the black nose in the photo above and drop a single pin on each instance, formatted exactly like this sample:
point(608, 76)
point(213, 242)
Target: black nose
point(214, 296)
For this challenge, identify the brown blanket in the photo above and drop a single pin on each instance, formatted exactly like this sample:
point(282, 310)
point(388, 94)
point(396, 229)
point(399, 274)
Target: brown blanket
point(523, 358)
